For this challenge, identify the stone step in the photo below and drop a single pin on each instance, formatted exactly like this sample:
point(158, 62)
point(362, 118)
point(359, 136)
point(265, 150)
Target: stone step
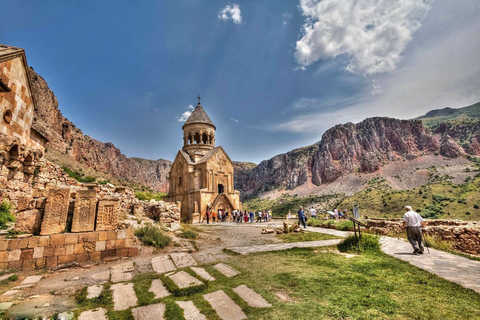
point(190, 311)
point(123, 296)
point(252, 298)
point(184, 280)
point(162, 264)
point(158, 289)
point(151, 312)
point(224, 306)
point(98, 314)
point(202, 273)
point(183, 259)
point(31, 280)
point(226, 270)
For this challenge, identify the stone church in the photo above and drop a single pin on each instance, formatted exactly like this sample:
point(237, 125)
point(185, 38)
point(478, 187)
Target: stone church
point(201, 177)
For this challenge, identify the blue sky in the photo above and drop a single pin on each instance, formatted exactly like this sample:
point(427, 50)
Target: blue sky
point(273, 75)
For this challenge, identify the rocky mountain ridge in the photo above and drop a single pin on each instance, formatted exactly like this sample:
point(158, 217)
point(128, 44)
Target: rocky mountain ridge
point(65, 137)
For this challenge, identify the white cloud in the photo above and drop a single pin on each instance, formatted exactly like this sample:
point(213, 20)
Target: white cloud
point(231, 12)
point(377, 89)
point(234, 120)
point(286, 16)
point(186, 114)
point(373, 33)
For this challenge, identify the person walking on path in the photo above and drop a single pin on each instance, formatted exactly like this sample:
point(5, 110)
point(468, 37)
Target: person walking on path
point(213, 216)
point(251, 216)
point(414, 223)
point(313, 213)
point(301, 217)
point(208, 217)
point(259, 218)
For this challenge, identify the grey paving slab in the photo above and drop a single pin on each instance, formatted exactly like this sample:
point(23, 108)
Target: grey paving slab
point(158, 289)
point(122, 272)
point(121, 277)
point(94, 291)
point(163, 264)
point(6, 276)
point(252, 298)
point(11, 292)
point(226, 270)
point(224, 306)
point(183, 259)
point(97, 314)
point(31, 280)
point(123, 296)
point(202, 273)
point(190, 311)
point(151, 312)
point(284, 246)
point(102, 276)
point(65, 316)
point(184, 280)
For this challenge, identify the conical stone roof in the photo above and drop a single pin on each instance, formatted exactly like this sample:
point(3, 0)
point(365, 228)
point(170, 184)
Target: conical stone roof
point(199, 116)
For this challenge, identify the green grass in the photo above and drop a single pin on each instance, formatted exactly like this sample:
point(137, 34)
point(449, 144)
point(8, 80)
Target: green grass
point(305, 236)
point(149, 195)
point(6, 215)
point(188, 234)
point(80, 177)
point(368, 243)
point(324, 286)
point(153, 236)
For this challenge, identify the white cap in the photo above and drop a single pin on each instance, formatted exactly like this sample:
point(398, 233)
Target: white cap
point(408, 208)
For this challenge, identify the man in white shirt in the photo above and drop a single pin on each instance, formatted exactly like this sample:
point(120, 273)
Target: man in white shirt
point(414, 222)
point(313, 213)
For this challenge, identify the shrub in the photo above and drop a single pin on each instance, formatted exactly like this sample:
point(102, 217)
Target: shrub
point(188, 234)
point(80, 177)
point(344, 225)
point(147, 195)
point(6, 215)
point(475, 206)
point(468, 213)
point(369, 243)
point(314, 222)
point(152, 236)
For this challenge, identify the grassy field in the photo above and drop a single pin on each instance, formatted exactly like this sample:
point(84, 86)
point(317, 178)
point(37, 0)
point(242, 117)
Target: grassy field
point(325, 286)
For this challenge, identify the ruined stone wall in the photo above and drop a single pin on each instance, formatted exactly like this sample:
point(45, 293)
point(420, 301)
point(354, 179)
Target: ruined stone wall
point(57, 250)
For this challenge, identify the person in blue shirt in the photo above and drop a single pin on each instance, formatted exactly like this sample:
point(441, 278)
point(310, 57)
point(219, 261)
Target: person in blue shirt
point(301, 217)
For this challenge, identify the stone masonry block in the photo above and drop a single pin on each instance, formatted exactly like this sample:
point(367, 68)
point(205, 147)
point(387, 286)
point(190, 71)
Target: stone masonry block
point(71, 238)
point(43, 241)
point(110, 244)
point(60, 251)
point(26, 254)
point(23, 244)
point(32, 242)
point(129, 243)
point(79, 248)
point(83, 237)
point(13, 244)
point(38, 252)
point(122, 252)
point(57, 239)
point(95, 255)
point(100, 245)
point(133, 252)
point(82, 257)
point(28, 265)
point(121, 234)
point(51, 262)
point(3, 265)
point(3, 245)
point(119, 244)
point(14, 255)
point(130, 233)
point(69, 249)
point(112, 235)
point(108, 253)
point(49, 251)
point(16, 265)
point(66, 258)
point(40, 263)
point(93, 236)
point(3, 256)
point(102, 235)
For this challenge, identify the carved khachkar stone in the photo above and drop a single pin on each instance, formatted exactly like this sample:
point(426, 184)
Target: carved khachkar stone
point(56, 211)
point(84, 211)
point(107, 215)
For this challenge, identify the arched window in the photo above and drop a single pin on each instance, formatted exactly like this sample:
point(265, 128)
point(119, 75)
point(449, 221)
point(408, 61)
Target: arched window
point(13, 153)
point(190, 140)
point(204, 138)
point(196, 137)
point(28, 160)
point(211, 138)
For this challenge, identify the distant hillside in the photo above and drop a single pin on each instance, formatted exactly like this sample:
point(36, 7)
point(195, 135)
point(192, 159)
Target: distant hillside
point(435, 117)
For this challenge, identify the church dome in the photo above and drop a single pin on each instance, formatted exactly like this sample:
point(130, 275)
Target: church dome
point(199, 116)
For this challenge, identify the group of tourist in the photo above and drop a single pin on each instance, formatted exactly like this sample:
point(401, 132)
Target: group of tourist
point(238, 216)
point(337, 214)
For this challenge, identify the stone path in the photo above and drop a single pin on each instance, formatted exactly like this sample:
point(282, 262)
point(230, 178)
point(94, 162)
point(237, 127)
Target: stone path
point(94, 291)
point(190, 311)
point(99, 314)
point(158, 289)
point(31, 280)
point(123, 296)
point(183, 259)
point(226, 270)
point(252, 298)
point(284, 246)
point(122, 272)
point(184, 280)
point(225, 307)
point(162, 264)
point(103, 276)
point(151, 312)
point(202, 273)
